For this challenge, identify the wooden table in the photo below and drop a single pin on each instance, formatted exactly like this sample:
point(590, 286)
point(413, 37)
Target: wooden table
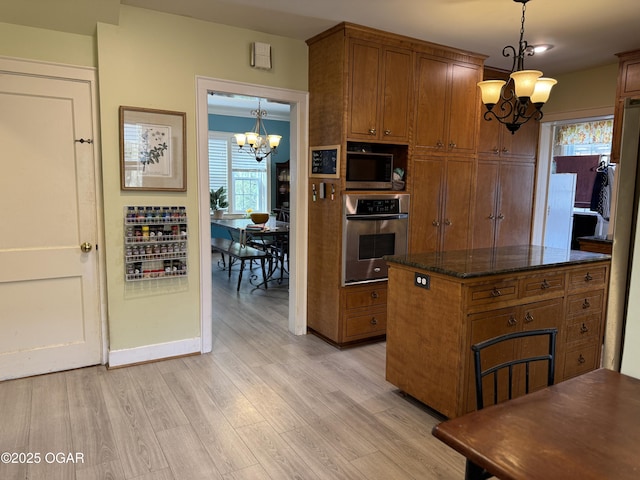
point(585, 428)
point(274, 230)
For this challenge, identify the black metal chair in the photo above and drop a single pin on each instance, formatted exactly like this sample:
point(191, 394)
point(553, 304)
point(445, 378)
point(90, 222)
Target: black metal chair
point(473, 471)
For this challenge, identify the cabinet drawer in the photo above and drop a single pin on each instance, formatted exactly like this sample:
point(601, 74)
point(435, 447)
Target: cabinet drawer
point(584, 303)
point(366, 323)
point(587, 277)
point(366, 297)
point(489, 293)
point(542, 285)
point(584, 328)
point(580, 360)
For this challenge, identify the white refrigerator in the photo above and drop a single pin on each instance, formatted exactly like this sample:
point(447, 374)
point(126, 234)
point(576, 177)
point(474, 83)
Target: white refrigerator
point(559, 221)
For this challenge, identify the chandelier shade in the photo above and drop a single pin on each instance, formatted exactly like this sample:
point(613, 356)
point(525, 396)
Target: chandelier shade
point(260, 143)
point(522, 97)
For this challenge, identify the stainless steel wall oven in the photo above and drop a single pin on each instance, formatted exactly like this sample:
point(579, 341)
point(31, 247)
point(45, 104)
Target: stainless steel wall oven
point(373, 226)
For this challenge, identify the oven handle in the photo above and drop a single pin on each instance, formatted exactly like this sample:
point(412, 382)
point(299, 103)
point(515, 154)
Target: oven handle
point(382, 216)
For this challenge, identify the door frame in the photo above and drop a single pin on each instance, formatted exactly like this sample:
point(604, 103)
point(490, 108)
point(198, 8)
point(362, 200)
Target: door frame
point(299, 126)
point(543, 164)
point(21, 66)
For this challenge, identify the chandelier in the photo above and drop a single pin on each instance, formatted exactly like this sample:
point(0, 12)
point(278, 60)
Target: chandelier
point(522, 97)
point(260, 143)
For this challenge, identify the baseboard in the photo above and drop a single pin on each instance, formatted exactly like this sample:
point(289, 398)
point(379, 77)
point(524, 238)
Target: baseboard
point(149, 353)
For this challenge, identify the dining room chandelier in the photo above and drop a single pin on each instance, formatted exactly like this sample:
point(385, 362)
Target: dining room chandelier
point(522, 97)
point(260, 143)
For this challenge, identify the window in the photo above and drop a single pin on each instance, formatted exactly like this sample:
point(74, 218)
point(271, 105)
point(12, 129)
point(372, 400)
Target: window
point(245, 180)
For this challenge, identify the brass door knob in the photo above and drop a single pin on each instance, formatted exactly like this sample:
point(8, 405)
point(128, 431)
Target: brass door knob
point(86, 247)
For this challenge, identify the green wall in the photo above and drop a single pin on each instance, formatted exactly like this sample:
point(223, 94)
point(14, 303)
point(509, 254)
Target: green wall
point(151, 60)
point(47, 45)
point(584, 90)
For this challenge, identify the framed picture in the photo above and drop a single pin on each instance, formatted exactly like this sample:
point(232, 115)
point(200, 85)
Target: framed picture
point(152, 150)
point(325, 161)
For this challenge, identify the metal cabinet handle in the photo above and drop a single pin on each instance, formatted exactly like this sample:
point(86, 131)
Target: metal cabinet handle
point(544, 285)
point(495, 151)
point(581, 359)
point(492, 217)
point(387, 132)
point(435, 223)
point(500, 216)
point(505, 150)
point(584, 328)
point(448, 222)
point(372, 131)
point(528, 318)
point(512, 321)
point(496, 292)
point(586, 303)
point(439, 144)
point(588, 277)
point(452, 145)
point(374, 295)
point(86, 247)
point(374, 321)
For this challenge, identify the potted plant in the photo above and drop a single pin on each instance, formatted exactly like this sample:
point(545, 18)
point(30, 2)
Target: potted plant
point(218, 201)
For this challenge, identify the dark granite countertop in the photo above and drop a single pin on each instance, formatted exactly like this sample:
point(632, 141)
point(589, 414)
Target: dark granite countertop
point(596, 238)
point(493, 261)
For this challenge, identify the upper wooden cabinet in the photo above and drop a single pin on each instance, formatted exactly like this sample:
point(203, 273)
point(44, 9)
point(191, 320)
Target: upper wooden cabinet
point(380, 87)
point(497, 142)
point(447, 107)
point(628, 87)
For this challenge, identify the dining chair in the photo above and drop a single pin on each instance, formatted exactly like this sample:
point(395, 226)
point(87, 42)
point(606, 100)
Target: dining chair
point(509, 367)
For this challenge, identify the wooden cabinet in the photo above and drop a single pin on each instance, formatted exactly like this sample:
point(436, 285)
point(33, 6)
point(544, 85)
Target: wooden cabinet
point(430, 331)
point(628, 87)
point(503, 203)
point(531, 316)
point(447, 106)
point(363, 90)
point(380, 86)
point(364, 312)
point(440, 204)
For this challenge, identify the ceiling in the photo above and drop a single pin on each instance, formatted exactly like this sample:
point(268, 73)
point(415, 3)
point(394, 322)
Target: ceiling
point(585, 33)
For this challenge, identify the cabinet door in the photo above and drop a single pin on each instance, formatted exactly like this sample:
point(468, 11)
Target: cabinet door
point(464, 109)
point(457, 203)
point(484, 326)
point(426, 200)
point(515, 204)
point(431, 104)
point(485, 205)
point(397, 87)
point(522, 144)
point(545, 314)
point(364, 82)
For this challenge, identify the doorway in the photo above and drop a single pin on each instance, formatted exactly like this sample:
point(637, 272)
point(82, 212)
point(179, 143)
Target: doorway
point(298, 101)
point(567, 153)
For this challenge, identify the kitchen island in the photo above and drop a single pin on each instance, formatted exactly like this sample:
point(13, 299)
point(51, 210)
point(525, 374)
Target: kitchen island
point(439, 304)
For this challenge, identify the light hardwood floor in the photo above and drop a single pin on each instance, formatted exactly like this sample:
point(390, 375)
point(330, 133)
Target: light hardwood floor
point(265, 404)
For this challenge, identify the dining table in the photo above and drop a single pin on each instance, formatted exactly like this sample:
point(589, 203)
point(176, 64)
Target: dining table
point(585, 428)
point(272, 236)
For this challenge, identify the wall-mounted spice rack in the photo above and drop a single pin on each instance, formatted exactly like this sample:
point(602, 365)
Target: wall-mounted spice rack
point(155, 242)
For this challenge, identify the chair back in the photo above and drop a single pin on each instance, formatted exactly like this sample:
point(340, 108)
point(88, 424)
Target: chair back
point(517, 368)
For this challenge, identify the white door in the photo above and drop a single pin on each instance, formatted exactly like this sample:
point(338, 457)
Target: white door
point(49, 290)
point(559, 223)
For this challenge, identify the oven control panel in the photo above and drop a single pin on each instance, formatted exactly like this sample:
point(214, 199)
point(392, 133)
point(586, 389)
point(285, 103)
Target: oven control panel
point(370, 206)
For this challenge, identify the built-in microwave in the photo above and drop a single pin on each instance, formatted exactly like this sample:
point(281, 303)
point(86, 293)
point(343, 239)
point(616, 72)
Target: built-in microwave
point(369, 171)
